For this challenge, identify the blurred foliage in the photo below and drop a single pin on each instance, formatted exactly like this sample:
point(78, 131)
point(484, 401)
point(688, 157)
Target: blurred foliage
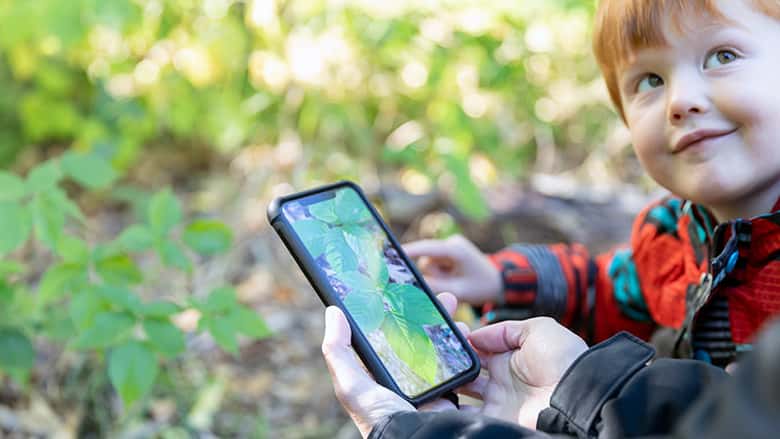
point(96, 283)
point(455, 93)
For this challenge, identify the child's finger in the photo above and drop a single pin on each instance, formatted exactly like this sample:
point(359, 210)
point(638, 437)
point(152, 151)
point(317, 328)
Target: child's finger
point(428, 247)
point(449, 301)
point(442, 284)
point(464, 328)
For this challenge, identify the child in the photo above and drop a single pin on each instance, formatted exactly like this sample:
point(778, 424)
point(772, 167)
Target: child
point(696, 84)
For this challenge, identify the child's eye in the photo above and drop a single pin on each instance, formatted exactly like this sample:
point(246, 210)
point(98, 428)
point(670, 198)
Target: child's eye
point(720, 58)
point(649, 82)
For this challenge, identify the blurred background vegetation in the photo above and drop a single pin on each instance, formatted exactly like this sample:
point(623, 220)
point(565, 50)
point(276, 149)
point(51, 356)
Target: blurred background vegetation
point(233, 102)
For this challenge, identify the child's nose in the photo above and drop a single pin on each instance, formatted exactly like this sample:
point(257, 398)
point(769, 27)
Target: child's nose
point(686, 100)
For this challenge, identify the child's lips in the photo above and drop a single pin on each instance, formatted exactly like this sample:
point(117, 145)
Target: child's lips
point(697, 136)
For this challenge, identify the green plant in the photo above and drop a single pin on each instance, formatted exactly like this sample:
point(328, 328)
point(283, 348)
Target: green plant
point(86, 297)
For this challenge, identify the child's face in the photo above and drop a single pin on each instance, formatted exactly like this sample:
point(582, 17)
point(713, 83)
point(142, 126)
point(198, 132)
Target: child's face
point(717, 82)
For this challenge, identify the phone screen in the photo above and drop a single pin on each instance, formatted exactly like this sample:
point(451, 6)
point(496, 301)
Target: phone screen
point(376, 286)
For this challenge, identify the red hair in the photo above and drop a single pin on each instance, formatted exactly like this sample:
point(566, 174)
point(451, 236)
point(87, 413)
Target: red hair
point(625, 26)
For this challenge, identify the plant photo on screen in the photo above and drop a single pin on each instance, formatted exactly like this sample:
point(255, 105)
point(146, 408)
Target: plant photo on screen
point(402, 324)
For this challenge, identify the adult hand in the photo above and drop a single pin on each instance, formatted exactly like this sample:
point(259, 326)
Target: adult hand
point(366, 402)
point(525, 361)
point(457, 266)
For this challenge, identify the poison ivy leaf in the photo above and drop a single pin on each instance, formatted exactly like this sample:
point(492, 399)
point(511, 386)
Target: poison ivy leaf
point(44, 176)
point(88, 170)
point(159, 309)
point(365, 244)
point(136, 238)
point(73, 250)
point(249, 323)
point(207, 237)
point(11, 187)
point(118, 269)
point(16, 350)
point(49, 219)
point(163, 212)
point(413, 304)
point(132, 369)
point(412, 345)
point(172, 256)
point(367, 308)
point(324, 211)
point(108, 329)
point(350, 207)
point(339, 254)
point(14, 226)
point(313, 234)
point(164, 337)
point(61, 279)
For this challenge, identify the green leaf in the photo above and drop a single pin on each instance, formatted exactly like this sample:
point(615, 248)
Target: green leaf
point(73, 250)
point(413, 304)
point(172, 256)
point(120, 297)
point(84, 307)
point(132, 369)
point(220, 300)
point(59, 280)
point(164, 337)
point(136, 238)
point(11, 187)
point(118, 269)
point(16, 350)
point(49, 219)
point(163, 212)
point(468, 196)
point(412, 345)
point(366, 244)
point(366, 306)
point(207, 237)
point(88, 170)
point(14, 226)
point(159, 309)
point(108, 329)
point(249, 323)
point(324, 211)
point(60, 199)
point(223, 330)
point(350, 208)
point(313, 234)
point(339, 254)
point(10, 267)
point(44, 176)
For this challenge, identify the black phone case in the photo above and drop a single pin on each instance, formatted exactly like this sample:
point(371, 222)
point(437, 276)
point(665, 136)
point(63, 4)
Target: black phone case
point(322, 287)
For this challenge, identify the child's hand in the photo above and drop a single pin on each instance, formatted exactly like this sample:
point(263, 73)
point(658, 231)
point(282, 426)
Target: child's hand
point(457, 266)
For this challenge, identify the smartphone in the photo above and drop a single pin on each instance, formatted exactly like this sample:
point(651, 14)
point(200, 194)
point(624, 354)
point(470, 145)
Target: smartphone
point(400, 331)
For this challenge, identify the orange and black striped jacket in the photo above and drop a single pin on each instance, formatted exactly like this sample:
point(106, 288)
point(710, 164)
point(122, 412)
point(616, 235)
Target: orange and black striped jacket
point(714, 284)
